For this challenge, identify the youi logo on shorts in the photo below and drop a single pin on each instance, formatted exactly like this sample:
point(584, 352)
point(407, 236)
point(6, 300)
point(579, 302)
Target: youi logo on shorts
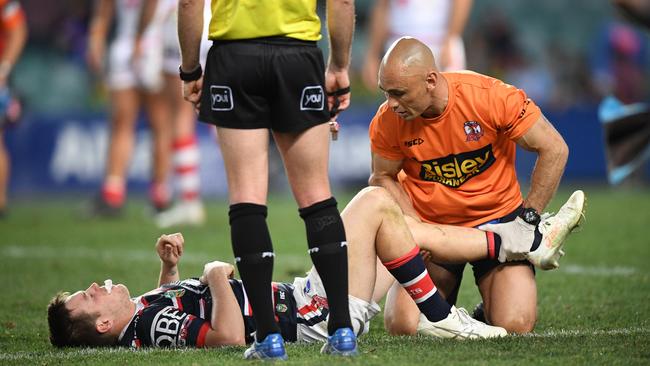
point(455, 169)
point(312, 99)
point(221, 98)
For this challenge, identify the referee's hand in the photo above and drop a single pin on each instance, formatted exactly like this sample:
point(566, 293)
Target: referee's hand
point(192, 91)
point(337, 80)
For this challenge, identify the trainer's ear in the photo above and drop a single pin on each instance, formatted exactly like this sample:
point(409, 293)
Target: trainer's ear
point(103, 325)
point(432, 79)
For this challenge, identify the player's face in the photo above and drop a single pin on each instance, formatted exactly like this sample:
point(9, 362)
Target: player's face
point(407, 95)
point(97, 299)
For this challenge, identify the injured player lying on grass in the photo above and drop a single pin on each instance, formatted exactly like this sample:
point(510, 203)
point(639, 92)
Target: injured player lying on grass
point(213, 310)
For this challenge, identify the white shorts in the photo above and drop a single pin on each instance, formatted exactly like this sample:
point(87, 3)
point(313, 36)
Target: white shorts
point(171, 47)
point(310, 302)
point(123, 73)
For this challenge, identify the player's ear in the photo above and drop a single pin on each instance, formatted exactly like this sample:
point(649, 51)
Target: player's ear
point(103, 325)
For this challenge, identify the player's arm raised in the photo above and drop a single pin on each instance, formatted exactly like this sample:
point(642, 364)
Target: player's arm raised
point(227, 325)
point(552, 153)
point(384, 174)
point(170, 249)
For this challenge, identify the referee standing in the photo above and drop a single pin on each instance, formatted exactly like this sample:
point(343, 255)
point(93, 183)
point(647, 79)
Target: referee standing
point(264, 73)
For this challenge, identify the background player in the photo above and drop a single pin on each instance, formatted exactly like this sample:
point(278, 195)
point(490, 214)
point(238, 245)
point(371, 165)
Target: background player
point(13, 35)
point(188, 209)
point(133, 76)
point(437, 23)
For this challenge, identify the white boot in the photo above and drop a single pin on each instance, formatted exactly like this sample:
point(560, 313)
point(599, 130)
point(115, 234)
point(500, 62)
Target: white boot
point(555, 229)
point(458, 325)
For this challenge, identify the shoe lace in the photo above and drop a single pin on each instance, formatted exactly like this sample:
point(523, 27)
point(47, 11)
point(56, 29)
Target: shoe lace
point(470, 325)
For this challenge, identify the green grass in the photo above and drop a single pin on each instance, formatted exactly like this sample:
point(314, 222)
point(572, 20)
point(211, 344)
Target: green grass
point(593, 310)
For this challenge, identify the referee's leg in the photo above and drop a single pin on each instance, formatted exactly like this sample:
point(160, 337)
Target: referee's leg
point(245, 155)
point(305, 155)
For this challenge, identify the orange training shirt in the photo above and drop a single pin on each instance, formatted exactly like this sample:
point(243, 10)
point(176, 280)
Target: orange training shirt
point(459, 168)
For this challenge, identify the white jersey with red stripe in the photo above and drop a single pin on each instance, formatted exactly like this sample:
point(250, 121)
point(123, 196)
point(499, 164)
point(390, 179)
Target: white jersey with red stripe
point(428, 21)
point(171, 47)
point(123, 71)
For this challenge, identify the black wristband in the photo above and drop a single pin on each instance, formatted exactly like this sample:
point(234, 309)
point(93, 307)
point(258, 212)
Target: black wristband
point(530, 215)
point(192, 75)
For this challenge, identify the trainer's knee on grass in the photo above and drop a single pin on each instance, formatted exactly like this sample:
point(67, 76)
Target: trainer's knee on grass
point(516, 323)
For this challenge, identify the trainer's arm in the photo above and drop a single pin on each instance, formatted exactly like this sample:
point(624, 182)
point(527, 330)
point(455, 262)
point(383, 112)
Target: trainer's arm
point(227, 325)
point(384, 174)
point(552, 153)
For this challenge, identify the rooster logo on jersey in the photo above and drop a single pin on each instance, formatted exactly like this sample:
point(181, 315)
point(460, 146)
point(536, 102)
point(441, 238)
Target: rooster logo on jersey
point(473, 130)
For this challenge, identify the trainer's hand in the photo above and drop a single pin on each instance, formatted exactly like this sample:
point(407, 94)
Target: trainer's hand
point(170, 248)
point(517, 238)
point(192, 91)
point(217, 267)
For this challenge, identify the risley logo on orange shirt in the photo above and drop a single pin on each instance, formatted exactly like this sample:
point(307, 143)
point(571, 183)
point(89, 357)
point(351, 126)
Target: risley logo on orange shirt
point(455, 169)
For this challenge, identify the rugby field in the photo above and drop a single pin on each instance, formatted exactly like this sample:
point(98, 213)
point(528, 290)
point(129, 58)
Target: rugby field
point(593, 310)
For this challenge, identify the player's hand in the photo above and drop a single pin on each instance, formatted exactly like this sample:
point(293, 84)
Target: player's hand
point(170, 248)
point(336, 80)
point(192, 91)
point(217, 266)
point(517, 238)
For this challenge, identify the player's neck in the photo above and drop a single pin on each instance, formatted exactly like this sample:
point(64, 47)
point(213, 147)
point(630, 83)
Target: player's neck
point(123, 318)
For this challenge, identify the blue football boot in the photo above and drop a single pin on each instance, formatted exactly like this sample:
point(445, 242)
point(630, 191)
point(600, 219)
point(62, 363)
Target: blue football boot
point(270, 349)
point(342, 343)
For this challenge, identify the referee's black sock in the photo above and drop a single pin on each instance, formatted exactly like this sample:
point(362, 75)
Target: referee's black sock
point(328, 251)
point(251, 244)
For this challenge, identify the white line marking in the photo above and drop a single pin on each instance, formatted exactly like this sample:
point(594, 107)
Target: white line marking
point(45, 252)
point(598, 270)
point(587, 332)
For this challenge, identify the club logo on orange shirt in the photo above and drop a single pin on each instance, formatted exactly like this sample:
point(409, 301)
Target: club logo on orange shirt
point(473, 130)
point(455, 169)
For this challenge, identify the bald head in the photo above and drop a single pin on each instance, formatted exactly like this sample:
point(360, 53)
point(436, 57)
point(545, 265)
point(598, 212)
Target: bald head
point(407, 57)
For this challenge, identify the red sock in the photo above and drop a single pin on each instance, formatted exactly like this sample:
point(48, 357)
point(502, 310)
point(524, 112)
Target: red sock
point(159, 195)
point(186, 167)
point(113, 193)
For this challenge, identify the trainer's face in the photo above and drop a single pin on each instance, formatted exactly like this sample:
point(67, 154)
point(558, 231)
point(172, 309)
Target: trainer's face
point(408, 96)
point(97, 300)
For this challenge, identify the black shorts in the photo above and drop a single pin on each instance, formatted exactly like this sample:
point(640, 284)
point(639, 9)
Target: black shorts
point(481, 267)
point(274, 83)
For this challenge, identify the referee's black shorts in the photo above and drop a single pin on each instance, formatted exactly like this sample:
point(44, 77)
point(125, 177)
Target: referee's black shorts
point(274, 83)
